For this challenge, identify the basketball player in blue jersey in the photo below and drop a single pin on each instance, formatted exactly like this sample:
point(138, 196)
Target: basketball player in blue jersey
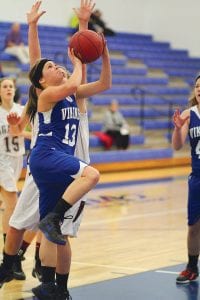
point(188, 123)
point(50, 166)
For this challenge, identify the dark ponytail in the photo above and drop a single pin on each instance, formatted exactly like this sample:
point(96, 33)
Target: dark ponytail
point(32, 103)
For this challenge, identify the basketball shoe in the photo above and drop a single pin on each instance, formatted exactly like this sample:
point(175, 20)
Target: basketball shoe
point(6, 275)
point(62, 294)
point(18, 272)
point(187, 276)
point(50, 226)
point(45, 291)
point(37, 273)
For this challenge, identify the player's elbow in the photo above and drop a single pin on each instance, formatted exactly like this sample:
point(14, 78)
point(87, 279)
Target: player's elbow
point(106, 84)
point(176, 147)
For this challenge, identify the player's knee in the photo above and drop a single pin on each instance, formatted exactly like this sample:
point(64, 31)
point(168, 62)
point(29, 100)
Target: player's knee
point(194, 231)
point(93, 175)
point(12, 231)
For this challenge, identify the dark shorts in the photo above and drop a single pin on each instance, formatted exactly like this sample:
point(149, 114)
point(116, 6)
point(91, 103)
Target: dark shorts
point(53, 172)
point(193, 199)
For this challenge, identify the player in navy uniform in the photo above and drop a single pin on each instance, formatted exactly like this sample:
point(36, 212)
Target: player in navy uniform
point(69, 226)
point(54, 152)
point(188, 124)
point(58, 124)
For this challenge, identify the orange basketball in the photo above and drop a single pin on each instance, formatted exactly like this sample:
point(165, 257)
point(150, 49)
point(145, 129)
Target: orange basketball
point(88, 45)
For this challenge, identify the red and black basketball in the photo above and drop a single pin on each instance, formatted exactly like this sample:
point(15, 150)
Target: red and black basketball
point(88, 45)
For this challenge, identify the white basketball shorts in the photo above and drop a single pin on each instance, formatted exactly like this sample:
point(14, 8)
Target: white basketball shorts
point(10, 171)
point(26, 213)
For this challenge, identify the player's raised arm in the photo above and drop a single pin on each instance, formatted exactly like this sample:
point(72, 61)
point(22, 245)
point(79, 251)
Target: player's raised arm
point(181, 125)
point(104, 82)
point(83, 14)
point(33, 39)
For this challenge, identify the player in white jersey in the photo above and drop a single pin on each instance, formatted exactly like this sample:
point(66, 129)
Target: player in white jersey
point(11, 151)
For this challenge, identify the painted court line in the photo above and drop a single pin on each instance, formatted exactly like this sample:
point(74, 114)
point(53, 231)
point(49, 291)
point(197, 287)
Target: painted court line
point(156, 214)
point(110, 266)
point(167, 272)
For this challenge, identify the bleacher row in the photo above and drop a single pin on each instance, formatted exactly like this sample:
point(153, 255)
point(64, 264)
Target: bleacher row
point(150, 79)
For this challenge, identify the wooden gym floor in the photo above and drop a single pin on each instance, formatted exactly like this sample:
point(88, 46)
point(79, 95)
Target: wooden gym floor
point(135, 222)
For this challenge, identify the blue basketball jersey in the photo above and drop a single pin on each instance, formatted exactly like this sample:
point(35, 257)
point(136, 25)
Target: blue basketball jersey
point(194, 137)
point(52, 161)
point(58, 128)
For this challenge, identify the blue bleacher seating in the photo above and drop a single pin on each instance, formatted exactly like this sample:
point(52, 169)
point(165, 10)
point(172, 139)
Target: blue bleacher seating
point(24, 88)
point(116, 70)
point(7, 57)
point(147, 100)
point(164, 55)
point(95, 126)
point(155, 90)
point(125, 79)
point(156, 124)
point(158, 63)
point(129, 155)
point(139, 94)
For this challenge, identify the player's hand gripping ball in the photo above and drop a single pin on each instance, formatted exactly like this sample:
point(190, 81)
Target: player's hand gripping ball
point(88, 45)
